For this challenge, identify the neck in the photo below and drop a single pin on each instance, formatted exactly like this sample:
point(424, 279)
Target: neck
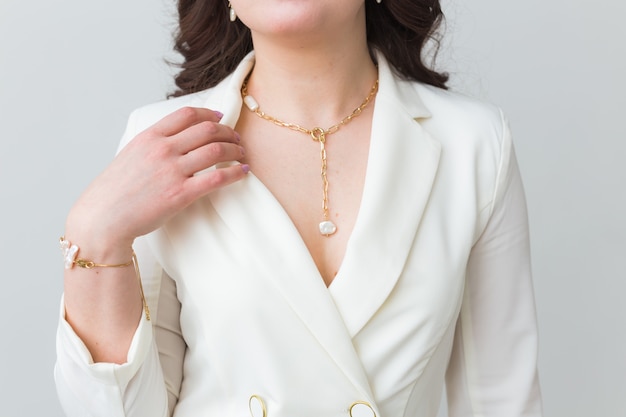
point(316, 85)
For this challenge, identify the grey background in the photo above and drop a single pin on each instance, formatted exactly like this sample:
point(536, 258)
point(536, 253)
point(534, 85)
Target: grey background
point(71, 71)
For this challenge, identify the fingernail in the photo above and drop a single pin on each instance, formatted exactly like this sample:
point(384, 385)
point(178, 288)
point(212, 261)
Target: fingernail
point(237, 137)
point(219, 114)
point(243, 150)
point(245, 168)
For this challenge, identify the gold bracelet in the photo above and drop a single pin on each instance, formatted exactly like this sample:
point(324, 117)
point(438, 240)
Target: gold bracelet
point(70, 253)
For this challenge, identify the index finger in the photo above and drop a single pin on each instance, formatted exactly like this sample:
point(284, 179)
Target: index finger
point(184, 118)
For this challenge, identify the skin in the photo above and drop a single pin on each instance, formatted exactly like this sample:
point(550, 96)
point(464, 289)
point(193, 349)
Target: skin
point(313, 68)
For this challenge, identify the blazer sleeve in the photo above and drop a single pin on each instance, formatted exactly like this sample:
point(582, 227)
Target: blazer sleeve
point(493, 367)
point(149, 382)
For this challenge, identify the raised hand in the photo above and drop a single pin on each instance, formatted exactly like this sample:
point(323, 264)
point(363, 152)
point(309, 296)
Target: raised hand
point(155, 176)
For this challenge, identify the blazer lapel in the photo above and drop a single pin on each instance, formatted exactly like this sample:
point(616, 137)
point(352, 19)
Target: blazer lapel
point(402, 166)
point(272, 242)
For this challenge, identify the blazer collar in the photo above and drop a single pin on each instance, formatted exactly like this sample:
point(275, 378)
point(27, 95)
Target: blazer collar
point(402, 165)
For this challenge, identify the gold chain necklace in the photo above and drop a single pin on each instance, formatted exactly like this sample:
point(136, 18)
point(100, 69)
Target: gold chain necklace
point(326, 227)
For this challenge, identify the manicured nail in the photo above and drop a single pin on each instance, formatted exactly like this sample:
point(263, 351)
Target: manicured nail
point(237, 137)
point(243, 150)
point(219, 114)
point(245, 168)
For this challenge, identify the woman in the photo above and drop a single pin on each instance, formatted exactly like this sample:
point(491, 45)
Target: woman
point(269, 291)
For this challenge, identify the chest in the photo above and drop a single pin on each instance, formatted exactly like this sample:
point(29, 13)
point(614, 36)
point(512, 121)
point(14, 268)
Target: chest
point(313, 183)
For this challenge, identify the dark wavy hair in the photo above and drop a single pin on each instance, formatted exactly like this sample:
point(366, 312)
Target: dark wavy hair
point(212, 46)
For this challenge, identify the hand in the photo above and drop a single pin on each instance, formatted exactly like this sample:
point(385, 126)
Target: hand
point(152, 179)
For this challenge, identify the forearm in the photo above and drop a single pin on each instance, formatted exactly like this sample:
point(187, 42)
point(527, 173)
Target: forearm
point(102, 304)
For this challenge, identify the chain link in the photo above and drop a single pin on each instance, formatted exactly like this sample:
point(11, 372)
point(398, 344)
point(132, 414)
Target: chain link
point(293, 126)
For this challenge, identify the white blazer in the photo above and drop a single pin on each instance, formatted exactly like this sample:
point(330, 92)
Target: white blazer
point(435, 285)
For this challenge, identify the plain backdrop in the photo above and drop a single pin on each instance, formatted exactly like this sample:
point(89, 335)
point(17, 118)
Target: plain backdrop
point(71, 71)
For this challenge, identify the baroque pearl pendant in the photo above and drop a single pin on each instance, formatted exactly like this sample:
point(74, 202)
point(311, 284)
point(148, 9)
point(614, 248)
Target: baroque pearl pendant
point(327, 228)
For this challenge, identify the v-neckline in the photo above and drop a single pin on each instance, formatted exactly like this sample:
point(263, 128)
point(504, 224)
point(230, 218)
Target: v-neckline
point(301, 242)
point(401, 170)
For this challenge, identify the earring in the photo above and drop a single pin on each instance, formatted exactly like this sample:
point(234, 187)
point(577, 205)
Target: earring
point(379, 1)
point(232, 13)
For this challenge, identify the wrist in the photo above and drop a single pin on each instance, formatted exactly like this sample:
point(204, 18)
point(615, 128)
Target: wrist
point(71, 258)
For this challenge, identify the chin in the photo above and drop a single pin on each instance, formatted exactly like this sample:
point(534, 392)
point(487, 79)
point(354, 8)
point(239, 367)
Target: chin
point(294, 17)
